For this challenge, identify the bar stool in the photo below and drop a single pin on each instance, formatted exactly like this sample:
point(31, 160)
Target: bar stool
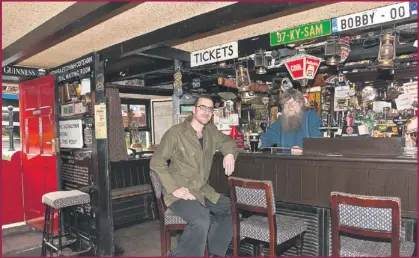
point(365, 218)
point(168, 220)
point(59, 200)
point(258, 196)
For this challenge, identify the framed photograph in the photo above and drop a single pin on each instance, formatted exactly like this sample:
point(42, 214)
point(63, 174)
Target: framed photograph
point(181, 118)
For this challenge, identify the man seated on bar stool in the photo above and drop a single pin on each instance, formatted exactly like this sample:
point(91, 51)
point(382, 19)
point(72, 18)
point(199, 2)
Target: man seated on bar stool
point(294, 124)
point(190, 147)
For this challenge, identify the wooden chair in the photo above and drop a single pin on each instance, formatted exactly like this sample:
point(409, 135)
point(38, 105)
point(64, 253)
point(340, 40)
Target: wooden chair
point(367, 217)
point(257, 196)
point(168, 220)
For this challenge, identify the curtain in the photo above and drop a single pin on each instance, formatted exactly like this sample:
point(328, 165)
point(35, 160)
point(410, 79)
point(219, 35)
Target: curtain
point(116, 137)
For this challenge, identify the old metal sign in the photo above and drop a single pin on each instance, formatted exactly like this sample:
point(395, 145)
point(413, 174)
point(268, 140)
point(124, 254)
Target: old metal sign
point(215, 54)
point(302, 66)
point(371, 17)
point(307, 31)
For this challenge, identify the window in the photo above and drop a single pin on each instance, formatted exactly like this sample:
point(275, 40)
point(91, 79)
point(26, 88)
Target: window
point(137, 125)
point(5, 123)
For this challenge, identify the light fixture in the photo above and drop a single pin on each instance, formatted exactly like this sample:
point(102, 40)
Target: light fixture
point(332, 50)
point(177, 84)
point(242, 78)
point(387, 51)
point(286, 84)
point(260, 61)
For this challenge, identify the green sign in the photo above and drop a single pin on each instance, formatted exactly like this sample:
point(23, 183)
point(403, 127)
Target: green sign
point(307, 31)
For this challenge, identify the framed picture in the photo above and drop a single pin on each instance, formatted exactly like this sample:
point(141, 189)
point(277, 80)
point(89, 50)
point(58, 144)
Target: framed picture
point(181, 118)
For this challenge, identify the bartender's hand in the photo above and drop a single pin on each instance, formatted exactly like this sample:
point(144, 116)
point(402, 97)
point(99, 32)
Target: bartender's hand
point(296, 150)
point(228, 164)
point(183, 193)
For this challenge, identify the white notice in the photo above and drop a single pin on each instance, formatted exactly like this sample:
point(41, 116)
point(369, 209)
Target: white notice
point(71, 134)
point(371, 17)
point(215, 54)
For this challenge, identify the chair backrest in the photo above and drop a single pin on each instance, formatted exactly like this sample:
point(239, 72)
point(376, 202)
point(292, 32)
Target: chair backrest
point(155, 182)
point(363, 215)
point(158, 191)
point(252, 195)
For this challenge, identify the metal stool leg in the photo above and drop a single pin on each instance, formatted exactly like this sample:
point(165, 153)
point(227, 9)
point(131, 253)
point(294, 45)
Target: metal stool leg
point(60, 243)
point(51, 230)
point(45, 233)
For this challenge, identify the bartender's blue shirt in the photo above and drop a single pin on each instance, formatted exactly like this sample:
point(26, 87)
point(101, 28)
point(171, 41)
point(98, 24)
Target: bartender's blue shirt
point(310, 128)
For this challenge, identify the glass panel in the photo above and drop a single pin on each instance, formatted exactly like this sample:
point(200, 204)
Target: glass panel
point(124, 110)
point(137, 115)
point(141, 140)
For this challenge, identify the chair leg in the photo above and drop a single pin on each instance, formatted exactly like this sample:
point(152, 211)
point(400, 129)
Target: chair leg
point(236, 244)
point(272, 250)
point(206, 254)
point(163, 243)
point(261, 250)
point(299, 245)
point(168, 241)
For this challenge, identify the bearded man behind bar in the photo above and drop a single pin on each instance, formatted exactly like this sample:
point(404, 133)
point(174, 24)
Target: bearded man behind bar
point(295, 123)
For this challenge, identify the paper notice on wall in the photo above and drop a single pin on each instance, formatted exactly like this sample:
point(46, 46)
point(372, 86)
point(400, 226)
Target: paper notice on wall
point(411, 88)
point(71, 134)
point(377, 106)
point(341, 99)
point(100, 121)
point(404, 101)
point(342, 92)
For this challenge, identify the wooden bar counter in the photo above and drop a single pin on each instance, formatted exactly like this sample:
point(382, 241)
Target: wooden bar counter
point(302, 186)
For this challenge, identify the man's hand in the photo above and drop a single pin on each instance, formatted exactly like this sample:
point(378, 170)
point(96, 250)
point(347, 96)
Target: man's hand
point(228, 164)
point(183, 193)
point(296, 150)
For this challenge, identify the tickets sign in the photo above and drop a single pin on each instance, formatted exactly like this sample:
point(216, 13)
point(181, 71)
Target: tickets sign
point(215, 54)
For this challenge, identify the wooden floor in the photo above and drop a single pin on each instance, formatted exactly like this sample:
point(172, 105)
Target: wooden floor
point(136, 240)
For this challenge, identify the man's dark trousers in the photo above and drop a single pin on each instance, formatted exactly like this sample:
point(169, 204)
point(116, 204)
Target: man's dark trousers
point(213, 222)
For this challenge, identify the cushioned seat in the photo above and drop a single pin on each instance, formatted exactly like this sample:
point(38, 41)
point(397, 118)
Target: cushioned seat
point(357, 247)
point(257, 227)
point(170, 218)
point(131, 191)
point(62, 199)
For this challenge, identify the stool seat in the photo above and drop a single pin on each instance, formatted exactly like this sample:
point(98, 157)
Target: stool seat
point(62, 199)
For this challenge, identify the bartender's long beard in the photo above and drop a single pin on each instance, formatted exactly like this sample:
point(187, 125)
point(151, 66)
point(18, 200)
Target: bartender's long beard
point(292, 123)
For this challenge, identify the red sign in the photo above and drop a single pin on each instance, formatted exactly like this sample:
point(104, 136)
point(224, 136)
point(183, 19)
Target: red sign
point(295, 68)
point(311, 67)
point(302, 66)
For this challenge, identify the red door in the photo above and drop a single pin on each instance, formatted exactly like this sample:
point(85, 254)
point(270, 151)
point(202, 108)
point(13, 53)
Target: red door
point(38, 138)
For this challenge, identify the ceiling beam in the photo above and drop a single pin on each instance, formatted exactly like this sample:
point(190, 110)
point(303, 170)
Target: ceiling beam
point(138, 72)
point(77, 18)
point(233, 16)
point(168, 53)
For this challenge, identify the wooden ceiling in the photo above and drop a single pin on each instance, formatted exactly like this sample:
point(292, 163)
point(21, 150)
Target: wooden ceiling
point(20, 18)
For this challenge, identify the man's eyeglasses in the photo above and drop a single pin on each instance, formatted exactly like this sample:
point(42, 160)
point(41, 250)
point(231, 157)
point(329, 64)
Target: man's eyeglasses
point(205, 108)
point(291, 104)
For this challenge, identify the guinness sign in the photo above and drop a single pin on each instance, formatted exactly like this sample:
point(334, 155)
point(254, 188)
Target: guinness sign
point(22, 71)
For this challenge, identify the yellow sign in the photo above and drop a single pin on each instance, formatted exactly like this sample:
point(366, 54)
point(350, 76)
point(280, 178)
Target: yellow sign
point(100, 121)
